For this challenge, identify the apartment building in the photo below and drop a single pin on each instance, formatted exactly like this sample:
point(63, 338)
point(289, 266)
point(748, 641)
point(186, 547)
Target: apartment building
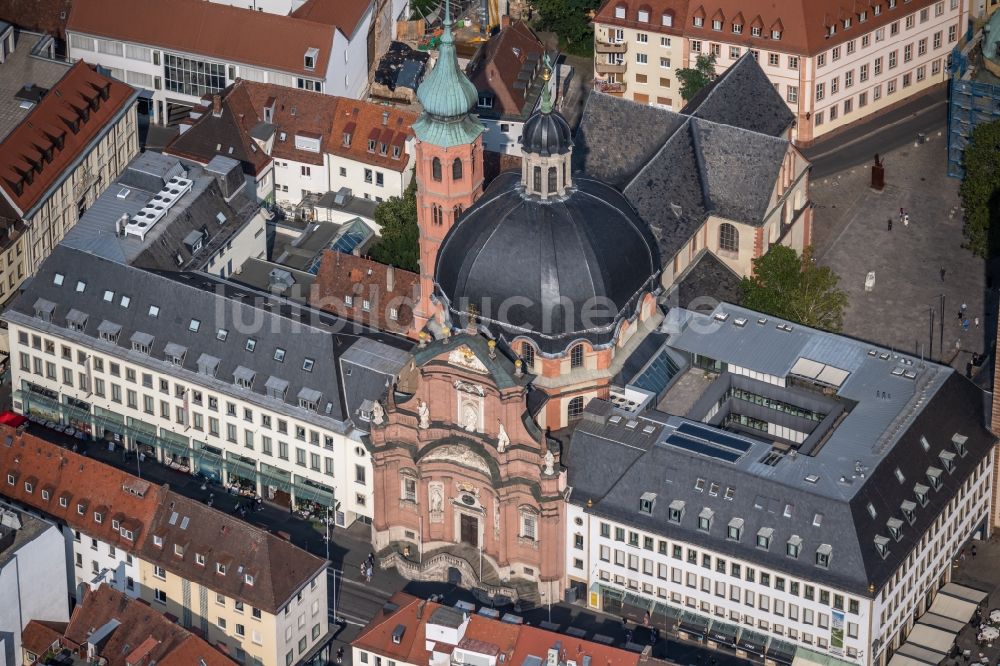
point(111, 628)
point(306, 143)
point(56, 161)
point(203, 375)
point(152, 46)
point(809, 497)
point(31, 551)
point(638, 48)
point(251, 594)
point(833, 65)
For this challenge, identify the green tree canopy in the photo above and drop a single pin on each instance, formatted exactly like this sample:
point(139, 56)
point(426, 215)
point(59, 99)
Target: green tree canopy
point(980, 189)
point(570, 20)
point(399, 245)
point(792, 287)
point(695, 78)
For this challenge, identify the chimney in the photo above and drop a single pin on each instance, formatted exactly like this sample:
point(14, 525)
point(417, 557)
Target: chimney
point(216, 105)
point(385, 117)
point(505, 21)
point(390, 279)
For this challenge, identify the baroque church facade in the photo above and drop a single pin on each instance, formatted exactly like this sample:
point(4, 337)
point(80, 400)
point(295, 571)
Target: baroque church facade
point(536, 293)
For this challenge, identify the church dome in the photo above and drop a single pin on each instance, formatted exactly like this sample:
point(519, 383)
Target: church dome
point(546, 134)
point(557, 271)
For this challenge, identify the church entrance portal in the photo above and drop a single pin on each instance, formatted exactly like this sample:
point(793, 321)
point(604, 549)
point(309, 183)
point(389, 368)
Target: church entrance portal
point(470, 530)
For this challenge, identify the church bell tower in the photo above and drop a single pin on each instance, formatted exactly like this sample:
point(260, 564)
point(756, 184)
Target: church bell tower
point(449, 160)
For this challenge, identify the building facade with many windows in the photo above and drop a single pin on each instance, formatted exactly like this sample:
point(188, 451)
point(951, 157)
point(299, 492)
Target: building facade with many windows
point(832, 66)
point(810, 497)
point(200, 375)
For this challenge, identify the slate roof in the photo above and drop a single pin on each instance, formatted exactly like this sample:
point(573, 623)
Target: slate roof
point(183, 297)
point(140, 630)
point(678, 169)
point(21, 69)
point(278, 569)
point(612, 464)
point(195, 215)
point(209, 29)
point(38, 154)
point(724, 100)
point(707, 276)
point(368, 370)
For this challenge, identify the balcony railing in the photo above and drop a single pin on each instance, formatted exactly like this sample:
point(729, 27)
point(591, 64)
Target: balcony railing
point(611, 87)
point(610, 47)
point(609, 68)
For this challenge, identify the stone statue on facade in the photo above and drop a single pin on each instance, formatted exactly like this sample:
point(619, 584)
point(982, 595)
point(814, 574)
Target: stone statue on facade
point(437, 499)
point(550, 461)
point(378, 413)
point(425, 415)
point(503, 440)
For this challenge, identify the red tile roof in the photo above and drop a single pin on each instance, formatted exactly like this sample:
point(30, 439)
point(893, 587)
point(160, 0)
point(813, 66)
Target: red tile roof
point(143, 635)
point(82, 481)
point(343, 275)
point(343, 14)
point(209, 29)
point(39, 636)
point(77, 109)
point(515, 642)
point(804, 24)
point(497, 67)
point(295, 112)
point(47, 16)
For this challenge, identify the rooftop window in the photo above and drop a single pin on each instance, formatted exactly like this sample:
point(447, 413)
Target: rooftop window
point(194, 326)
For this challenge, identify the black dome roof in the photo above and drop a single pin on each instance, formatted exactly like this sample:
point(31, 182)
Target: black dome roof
point(557, 271)
point(546, 134)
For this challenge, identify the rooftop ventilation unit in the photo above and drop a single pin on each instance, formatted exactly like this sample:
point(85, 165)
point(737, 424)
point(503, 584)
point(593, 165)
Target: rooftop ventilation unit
point(157, 207)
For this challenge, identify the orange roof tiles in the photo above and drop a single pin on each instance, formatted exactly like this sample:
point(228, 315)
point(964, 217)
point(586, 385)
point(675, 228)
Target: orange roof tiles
point(143, 635)
point(209, 29)
point(498, 65)
point(346, 15)
point(39, 636)
point(678, 9)
point(57, 131)
point(514, 642)
point(76, 481)
point(342, 275)
point(361, 120)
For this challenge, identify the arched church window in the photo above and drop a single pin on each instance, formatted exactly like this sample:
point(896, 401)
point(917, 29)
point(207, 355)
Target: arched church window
point(576, 356)
point(436, 169)
point(528, 355)
point(575, 408)
point(537, 178)
point(436, 216)
point(553, 176)
point(456, 211)
point(729, 238)
point(456, 169)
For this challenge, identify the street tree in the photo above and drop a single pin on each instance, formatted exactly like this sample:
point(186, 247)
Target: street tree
point(786, 285)
point(399, 245)
point(571, 21)
point(695, 78)
point(980, 189)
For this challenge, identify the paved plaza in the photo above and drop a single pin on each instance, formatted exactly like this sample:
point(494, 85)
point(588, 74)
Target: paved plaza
point(851, 235)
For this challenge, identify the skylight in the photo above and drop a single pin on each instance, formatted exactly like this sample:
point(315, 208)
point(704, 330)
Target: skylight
point(194, 325)
point(154, 310)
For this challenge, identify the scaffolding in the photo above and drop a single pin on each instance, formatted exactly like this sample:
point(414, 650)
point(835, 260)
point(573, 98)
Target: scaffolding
point(970, 103)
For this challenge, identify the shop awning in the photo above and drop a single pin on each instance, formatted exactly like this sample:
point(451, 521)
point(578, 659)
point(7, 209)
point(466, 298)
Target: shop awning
point(953, 607)
point(899, 659)
point(12, 419)
point(964, 592)
point(723, 632)
point(694, 624)
point(751, 641)
point(917, 653)
point(926, 636)
point(942, 622)
point(781, 652)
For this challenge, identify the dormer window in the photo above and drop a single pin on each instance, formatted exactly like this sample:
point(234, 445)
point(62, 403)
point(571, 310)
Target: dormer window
point(116, 525)
point(199, 559)
point(383, 149)
point(644, 15)
point(959, 441)
point(309, 60)
point(823, 554)
point(485, 101)
point(248, 579)
point(98, 517)
point(220, 568)
point(737, 28)
point(920, 490)
point(675, 511)
point(909, 510)
point(882, 546)
point(28, 488)
point(775, 34)
point(620, 11)
point(705, 519)
point(764, 537)
point(793, 546)
point(699, 22)
point(11, 479)
point(755, 31)
point(178, 550)
point(371, 145)
point(244, 377)
point(895, 527)
point(347, 139)
point(716, 24)
point(81, 509)
point(46, 496)
point(77, 320)
point(158, 541)
point(396, 152)
point(947, 460)
point(667, 20)
point(646, 503)
point(44, 309)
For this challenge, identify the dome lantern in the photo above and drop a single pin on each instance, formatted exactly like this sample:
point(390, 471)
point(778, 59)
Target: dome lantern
point(547, 148)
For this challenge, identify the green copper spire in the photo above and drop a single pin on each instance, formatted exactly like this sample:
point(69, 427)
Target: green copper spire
point(447, 96)
point(546, 93)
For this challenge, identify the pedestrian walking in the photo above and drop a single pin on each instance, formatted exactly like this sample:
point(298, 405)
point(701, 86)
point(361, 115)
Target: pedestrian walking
point(976, 320)
point(964, 306)
point(368, 574)
point(942, 274)
point(959, 316)
point(906, 219)
point(890, 224)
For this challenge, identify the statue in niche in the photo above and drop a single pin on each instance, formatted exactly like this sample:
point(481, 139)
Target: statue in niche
point(550, 461)
point(425, 415)
point(378, 413)
point(437, 499)
point(503, 440)
point(470, 417)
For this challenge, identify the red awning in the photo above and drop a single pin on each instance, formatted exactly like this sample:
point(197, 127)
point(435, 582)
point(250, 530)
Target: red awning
point(13, 419)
